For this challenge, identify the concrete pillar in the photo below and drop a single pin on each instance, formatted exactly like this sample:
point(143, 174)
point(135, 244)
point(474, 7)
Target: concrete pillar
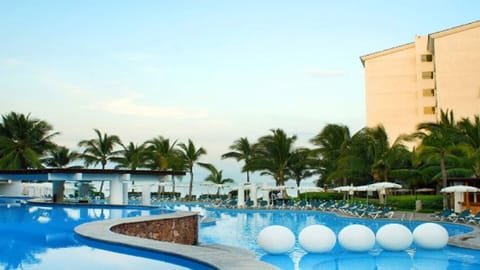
point(58, 191)
point(253, 194)
point(146, 194)
point(116, 192)
point(266, 193)
point(457, 201)
point(241, 196)
point(125, 181)
point(83, 190)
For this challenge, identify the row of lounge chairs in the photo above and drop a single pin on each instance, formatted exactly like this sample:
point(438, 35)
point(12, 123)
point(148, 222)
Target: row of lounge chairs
point(355, 209)
point(465, 216)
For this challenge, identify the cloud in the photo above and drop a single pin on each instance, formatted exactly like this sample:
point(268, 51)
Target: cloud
point(129, 106)
point(325, 73)
point(62, 86)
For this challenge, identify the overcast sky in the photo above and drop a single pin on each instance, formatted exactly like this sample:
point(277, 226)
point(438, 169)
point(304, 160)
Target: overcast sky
point(212, 71)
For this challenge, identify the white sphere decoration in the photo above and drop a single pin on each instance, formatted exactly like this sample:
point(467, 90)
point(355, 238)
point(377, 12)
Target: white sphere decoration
point(276, 239)
point(357, 238)
point(430, 236)
point(317, 239)
point(394, 237)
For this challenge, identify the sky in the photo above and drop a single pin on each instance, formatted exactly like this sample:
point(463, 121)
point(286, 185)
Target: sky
point(210, 71)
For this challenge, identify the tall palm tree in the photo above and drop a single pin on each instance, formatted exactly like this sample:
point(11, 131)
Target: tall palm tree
point(23, 141)
point(242, 150)
point(331, 142)
point(215, 176)
point(160, 155)
point(272, 156)
point(385, 156)
point(190, 154)
point(100, 150)
point(60, 157)
point(131, 156)
point(471, 129)
point(300, 166)
point(160, 152)
point(439, 140)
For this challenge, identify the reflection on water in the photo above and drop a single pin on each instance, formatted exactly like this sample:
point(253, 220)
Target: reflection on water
point(31, 231)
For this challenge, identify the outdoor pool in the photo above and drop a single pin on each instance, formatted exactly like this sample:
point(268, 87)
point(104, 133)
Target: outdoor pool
point(241, 227)
point(38, 236)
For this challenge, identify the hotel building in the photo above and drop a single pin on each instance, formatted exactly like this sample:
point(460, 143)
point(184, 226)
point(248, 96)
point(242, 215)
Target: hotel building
point(411, 83)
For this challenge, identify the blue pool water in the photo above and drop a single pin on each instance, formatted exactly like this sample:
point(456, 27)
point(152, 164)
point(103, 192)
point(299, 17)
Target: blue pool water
point(42, 237)
point(241, 227)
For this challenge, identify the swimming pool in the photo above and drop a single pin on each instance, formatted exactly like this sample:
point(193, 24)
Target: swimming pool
point(41, 237)
point(36, 236)
point(241, 227)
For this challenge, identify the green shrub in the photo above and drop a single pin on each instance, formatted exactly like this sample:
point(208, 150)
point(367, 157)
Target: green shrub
point(430, 203)
point(321, 196)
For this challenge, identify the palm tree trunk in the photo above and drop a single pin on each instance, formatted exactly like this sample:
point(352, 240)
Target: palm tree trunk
point(190, 188)
point(444, 178)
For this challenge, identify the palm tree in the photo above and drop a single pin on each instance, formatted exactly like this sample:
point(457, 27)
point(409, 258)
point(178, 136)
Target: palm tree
point(60, 157)
point(331, 142)
point(160, 155)
point(100, 150)
point(215, 176)
point(242, 150)
point(132, 156)
point(190, 154)
point(439, 141)
point(385, 157)
point(23, 141)
point(272, 155)
point(471, 129)
point(300, 166)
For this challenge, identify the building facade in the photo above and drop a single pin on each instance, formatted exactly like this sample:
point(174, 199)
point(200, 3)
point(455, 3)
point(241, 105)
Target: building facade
point(411, 83)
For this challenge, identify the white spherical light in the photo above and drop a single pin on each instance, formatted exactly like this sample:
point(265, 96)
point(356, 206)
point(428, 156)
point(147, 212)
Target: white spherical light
point(317, 239)
point(430, 236)
point(357, 238)
point(276, 239)
point(394, 237)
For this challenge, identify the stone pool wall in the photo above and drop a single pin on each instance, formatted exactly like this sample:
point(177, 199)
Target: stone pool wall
point(181, 229)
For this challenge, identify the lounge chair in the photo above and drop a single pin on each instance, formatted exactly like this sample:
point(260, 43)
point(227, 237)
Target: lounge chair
point(443, 215)
point(474, 219)
point(462, 216)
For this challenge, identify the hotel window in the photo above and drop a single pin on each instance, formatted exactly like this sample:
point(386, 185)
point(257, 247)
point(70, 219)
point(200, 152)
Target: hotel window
point(429, 110)
point(429, 92)
point(427, 58)
point(427, 75)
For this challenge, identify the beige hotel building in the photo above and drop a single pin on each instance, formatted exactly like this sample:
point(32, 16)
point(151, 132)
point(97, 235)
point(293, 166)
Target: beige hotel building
point(411, 83)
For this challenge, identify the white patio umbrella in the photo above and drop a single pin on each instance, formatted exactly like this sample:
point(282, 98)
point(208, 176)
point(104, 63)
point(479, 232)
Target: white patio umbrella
point(382, 186)
point(348, 189)
point(310, 189)
point(366, 188)
point(459, 188)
